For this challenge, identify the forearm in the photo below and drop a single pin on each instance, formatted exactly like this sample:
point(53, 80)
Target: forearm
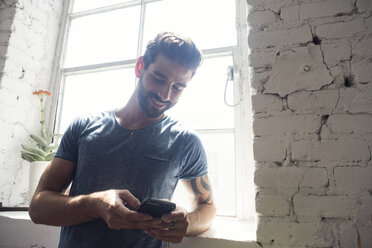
point(52, 208)
point(200, 219)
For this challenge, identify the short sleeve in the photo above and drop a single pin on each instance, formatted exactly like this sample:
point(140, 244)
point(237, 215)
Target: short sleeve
point(194, 159)
point(68, 147)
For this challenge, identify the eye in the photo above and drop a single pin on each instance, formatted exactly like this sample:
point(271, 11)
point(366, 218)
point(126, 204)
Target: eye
point(177, 88)
point(158, 80)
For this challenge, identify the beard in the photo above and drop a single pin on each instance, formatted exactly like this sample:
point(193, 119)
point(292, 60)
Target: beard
point(145, 102)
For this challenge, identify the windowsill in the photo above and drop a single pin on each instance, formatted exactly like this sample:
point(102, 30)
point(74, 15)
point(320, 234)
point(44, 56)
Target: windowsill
point(231, 229)
point(225, 232)
point(21, 215)
point(17, 230)
point(237, 233)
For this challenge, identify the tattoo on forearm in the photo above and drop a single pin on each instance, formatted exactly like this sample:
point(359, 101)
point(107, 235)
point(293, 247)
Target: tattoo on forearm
point(209, 198)
point(202, 190)
point(195, 188)
point(204, 184)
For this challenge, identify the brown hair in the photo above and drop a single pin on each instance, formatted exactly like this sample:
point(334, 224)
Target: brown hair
point(175, 47)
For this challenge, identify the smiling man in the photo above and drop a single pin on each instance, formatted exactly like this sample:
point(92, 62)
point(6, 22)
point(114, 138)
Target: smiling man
point(118, 158)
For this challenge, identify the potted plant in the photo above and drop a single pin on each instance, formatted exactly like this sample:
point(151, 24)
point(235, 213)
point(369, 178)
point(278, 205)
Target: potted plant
point(42, 151)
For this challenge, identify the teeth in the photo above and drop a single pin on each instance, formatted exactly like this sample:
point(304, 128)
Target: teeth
point(157, 102)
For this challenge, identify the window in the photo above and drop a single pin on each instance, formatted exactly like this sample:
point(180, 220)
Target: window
point(103, 39)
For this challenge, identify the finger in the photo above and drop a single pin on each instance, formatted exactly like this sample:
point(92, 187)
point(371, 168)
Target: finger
point(132, 215)
point(151, 223)
point(177, 215)
point(133, 224)
point(161, 225)
point(175, 231)
point(127, 214)
point(129, 199)
point(141, 224)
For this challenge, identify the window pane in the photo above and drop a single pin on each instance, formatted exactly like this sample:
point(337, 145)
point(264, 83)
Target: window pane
point(209, 23)
point(82, 5)
point(109, 36)
point(220, 152)
point(202, 105)
point(95, 92)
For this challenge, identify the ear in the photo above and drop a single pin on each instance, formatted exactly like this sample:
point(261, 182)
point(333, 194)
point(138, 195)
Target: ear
point(139, 67)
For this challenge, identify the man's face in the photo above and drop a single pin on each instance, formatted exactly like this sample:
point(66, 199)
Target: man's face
point(161, 85)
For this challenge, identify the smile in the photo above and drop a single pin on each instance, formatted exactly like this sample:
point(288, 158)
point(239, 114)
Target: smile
point(158, 103)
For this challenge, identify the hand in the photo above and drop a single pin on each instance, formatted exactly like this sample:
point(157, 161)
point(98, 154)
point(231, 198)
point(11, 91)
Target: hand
point(114, 207)
point(173, 226)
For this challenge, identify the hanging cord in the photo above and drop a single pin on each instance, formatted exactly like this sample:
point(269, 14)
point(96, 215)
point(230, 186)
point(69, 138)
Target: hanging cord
point(230, 77)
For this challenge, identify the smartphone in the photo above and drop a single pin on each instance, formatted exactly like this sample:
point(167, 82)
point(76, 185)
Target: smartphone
point(155, 207)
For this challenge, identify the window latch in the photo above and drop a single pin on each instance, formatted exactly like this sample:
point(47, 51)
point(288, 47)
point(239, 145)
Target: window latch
point(230, 77)
point(230, 73)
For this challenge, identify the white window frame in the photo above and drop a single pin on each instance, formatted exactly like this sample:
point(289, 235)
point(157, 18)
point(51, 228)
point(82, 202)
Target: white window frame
point(245, 188)
point(244, 165)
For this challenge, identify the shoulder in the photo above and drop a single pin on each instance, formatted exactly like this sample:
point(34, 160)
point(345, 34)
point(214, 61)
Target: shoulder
point(181, 129)
point(90, 120)
point(189, 138)
point(96, 117)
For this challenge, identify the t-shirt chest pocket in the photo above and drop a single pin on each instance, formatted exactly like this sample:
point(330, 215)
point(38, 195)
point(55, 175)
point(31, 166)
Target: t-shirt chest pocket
point(149, 161)
point(161, 166)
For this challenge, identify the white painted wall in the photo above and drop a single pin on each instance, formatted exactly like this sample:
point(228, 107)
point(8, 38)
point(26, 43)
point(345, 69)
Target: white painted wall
point(28, 36)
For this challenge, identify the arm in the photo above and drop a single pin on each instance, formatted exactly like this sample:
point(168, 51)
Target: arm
point(192, 223)
point(201, 218)
point(49, 206)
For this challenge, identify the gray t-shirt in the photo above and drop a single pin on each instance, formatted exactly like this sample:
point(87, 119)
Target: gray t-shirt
point(148, 162)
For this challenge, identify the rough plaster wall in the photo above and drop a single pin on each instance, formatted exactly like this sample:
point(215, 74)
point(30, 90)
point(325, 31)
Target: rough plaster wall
point(7, 13)
point(311, 74)
point(28, 35)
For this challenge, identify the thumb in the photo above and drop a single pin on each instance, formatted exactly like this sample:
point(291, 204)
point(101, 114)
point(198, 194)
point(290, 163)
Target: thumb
point(129, 199)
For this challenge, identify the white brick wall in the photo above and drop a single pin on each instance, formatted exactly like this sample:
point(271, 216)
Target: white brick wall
point(28, 35)
point(308, 102)
point(272, 204)
point(326, 8)
point(330, 206)
point(341, 29)
point(283, 37)
point(286, 125)
point(364, 5)
point(315, 179)
point(356, 100)
point(285, 177)
point(312, 104)
point(282, 232)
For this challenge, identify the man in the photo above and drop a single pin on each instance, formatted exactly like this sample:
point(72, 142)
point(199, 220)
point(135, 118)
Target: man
point(118, 158)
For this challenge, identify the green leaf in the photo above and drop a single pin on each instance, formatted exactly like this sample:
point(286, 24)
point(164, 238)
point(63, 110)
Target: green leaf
point(44, 135)
point(41, 142)
point(50, 147)
point(34, 150)
point(35, 156)
point(27, 157)
point(50, 156)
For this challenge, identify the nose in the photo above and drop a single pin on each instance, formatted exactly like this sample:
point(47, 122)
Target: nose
point(165, 92)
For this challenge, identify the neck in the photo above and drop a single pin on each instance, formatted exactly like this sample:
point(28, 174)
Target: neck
point(132, 117)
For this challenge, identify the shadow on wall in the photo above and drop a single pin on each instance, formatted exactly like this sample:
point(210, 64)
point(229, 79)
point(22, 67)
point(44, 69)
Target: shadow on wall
point(7, 13)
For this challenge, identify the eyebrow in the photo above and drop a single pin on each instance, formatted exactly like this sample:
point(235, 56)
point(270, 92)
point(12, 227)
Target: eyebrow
point(161, 75)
